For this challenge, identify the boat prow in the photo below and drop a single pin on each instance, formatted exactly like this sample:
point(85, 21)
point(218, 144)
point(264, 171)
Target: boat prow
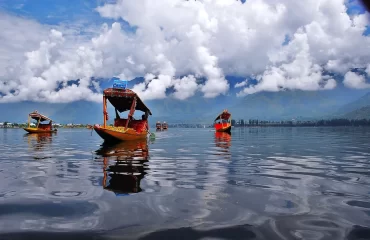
point(224, 129)
point(115, 134)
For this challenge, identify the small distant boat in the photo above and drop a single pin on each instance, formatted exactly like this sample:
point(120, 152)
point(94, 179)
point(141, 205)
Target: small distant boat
point(40, 127)
point(164, 126)
point(158, 125)
point(222, 122)
point(123, 99)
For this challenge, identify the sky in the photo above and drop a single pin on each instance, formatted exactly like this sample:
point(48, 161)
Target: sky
point(67, 50)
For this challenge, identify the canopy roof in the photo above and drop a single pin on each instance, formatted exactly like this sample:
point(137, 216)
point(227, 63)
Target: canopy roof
point(122, 99)
point(224, 115)
point(36, 116)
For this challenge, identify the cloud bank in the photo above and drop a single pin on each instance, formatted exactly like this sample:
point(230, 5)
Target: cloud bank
point(188, 46)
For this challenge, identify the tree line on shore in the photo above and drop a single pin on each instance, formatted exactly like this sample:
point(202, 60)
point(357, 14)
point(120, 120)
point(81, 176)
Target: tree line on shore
point(23, 125)
point(322, 122)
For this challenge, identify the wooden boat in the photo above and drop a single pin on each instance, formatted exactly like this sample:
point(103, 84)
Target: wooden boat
point(40, 128)
point(123, 99)
point(222, 122)
point(164, 126)
point(158, 126)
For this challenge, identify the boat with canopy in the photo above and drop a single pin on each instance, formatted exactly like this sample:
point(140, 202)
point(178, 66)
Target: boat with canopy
point(123, 129)
point(158, 126)
point(222, 122)
point(40, 127)
point(164, 126)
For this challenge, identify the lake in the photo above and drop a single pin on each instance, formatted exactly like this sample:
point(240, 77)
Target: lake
point(257, 183)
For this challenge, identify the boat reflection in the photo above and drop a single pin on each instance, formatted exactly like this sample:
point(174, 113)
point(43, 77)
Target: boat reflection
point(38, 141)
point(223, 140)
point(124, 166)
point(223, 144)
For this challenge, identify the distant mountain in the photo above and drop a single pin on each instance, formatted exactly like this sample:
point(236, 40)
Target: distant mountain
point(18, 112)
point(286, 105)
point(193, 110)
point(361, 113)
point(364, 101)
point(263, 105)
point(76, 112)
point(79, 112)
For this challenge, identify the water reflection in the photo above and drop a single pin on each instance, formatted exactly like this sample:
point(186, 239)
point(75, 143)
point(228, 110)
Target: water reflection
point(39, 143)
point(124, 166)
point(223, 144)
point(223, 140)
point(41, 139)
point(260, 183)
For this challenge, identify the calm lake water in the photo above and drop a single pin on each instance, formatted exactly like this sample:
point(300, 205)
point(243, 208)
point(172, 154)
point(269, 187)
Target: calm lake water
point(257, 183)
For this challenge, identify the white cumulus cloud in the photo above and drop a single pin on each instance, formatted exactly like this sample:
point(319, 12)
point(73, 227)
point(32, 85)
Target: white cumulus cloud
point(187, 46)
point(354, 80)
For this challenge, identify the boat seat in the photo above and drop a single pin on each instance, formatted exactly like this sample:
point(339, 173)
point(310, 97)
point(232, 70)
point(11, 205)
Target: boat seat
point(45, 126)
point(119, 122)
point(138, 125)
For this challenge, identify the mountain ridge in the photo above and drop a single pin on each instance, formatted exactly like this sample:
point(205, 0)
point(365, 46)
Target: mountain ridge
point(361, 113)
point(283, 105)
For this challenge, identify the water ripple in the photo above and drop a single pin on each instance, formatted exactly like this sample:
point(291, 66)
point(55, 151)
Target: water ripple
point(256, 183)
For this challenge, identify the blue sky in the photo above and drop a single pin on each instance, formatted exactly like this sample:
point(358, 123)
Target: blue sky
point(61, 12)
point(55, 12)
point(81, 13)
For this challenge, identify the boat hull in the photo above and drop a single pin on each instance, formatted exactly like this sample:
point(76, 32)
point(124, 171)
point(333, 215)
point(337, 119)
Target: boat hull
point(114, 134)
point(225, 128)
point(38, 130)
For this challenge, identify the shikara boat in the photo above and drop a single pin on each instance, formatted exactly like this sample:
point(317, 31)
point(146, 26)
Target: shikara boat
point(222, 122)
point(123, 99)
point(158, 126)
point(164, 126)
point(40, 127)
